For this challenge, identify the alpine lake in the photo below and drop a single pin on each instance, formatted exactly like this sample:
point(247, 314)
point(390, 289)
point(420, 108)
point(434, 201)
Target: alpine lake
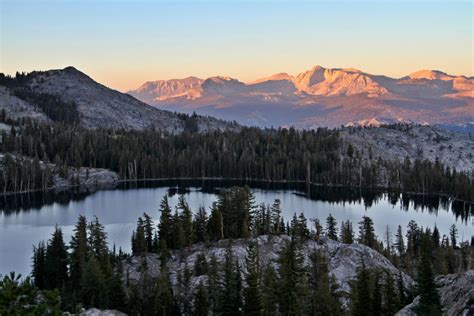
point(26, 219)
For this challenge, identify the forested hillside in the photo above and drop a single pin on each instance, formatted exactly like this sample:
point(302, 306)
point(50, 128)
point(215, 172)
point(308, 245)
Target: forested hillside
point(316, 156)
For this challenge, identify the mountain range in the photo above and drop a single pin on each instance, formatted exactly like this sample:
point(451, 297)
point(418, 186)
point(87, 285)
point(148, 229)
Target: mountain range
point(321, 97)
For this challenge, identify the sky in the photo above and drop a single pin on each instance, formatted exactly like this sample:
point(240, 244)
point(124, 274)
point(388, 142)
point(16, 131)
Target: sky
point(124, 43)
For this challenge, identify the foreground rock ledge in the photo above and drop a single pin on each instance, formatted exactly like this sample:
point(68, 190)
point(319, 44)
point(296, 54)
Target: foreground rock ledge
point(343, 259)
point(456, 292)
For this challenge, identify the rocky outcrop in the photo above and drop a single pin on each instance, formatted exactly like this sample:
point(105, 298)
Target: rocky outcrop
point(456, 293)
point(453, 149)
point(331, 82)
point(83, 178)
point(409, 309)
point(164, 89)
point(98, 312)
point(86, 178)
point(17, 108)
point(343, 259)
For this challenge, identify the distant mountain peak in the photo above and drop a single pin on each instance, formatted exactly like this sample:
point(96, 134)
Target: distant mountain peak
point(430, 75)
point(327, 81)
point(275, 77)
point(221, 85)
point(221, 79)
point(352, 70)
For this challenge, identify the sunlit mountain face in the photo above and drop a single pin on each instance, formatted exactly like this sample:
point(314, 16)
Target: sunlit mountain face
point(321, 97)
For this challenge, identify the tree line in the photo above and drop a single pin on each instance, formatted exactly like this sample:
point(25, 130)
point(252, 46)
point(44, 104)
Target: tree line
point(315, 156)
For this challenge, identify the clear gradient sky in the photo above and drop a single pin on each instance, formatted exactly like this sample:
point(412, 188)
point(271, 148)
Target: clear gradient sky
point(122, 43)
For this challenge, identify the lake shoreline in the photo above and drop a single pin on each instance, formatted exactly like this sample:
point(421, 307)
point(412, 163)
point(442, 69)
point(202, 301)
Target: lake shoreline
point(245, 181)
point(33, 217)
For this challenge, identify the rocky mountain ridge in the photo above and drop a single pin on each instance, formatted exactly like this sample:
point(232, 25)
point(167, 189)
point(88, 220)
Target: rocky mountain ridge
point(98, 105)
point(321, 97)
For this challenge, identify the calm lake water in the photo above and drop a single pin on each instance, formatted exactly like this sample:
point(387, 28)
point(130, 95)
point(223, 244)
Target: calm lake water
point(26, 220)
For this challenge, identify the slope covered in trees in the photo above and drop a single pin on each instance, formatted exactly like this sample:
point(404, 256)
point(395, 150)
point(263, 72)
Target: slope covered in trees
point(270, 155)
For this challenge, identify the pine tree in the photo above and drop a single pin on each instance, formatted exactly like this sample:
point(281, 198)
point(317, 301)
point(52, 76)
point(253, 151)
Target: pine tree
point(139, 242)
point(347, 233)
point(453, 233)
point(367, 232)
point(200, 266)
point(231, 289)
point(388, 242)
point(435, 237)
point(39, 265)
point(164, 300)
point(148, 232)
point(260, 225)
point(214, 284)
point(402, 295)
point(215, 226)
point(97, 242)
point(290, 273)
point(303, 230)
point(465, 255)
point(116, 296)
point(165, 227)
point(391, 302)
point(252, 293)
point(360, 295)
point(200, 226)
point(56, 272)
point(413, 237)
point(142, 293)
point(276, 217)
point(331, 229)
point(183, 295)
point(270, 293)
point(186, 216)
point(79, 251)
point(318, 229)
point(163, 252)
point(179, 240)
point(426, 286)
point(323, 298)
point(245, 201)
point(93, 285)
point(376, 295)
point(400, 243)
point(299, 227)
point(201, 301)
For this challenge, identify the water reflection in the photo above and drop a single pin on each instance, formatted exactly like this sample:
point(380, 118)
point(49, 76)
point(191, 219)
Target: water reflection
point(432, 203)
point(27, 219)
